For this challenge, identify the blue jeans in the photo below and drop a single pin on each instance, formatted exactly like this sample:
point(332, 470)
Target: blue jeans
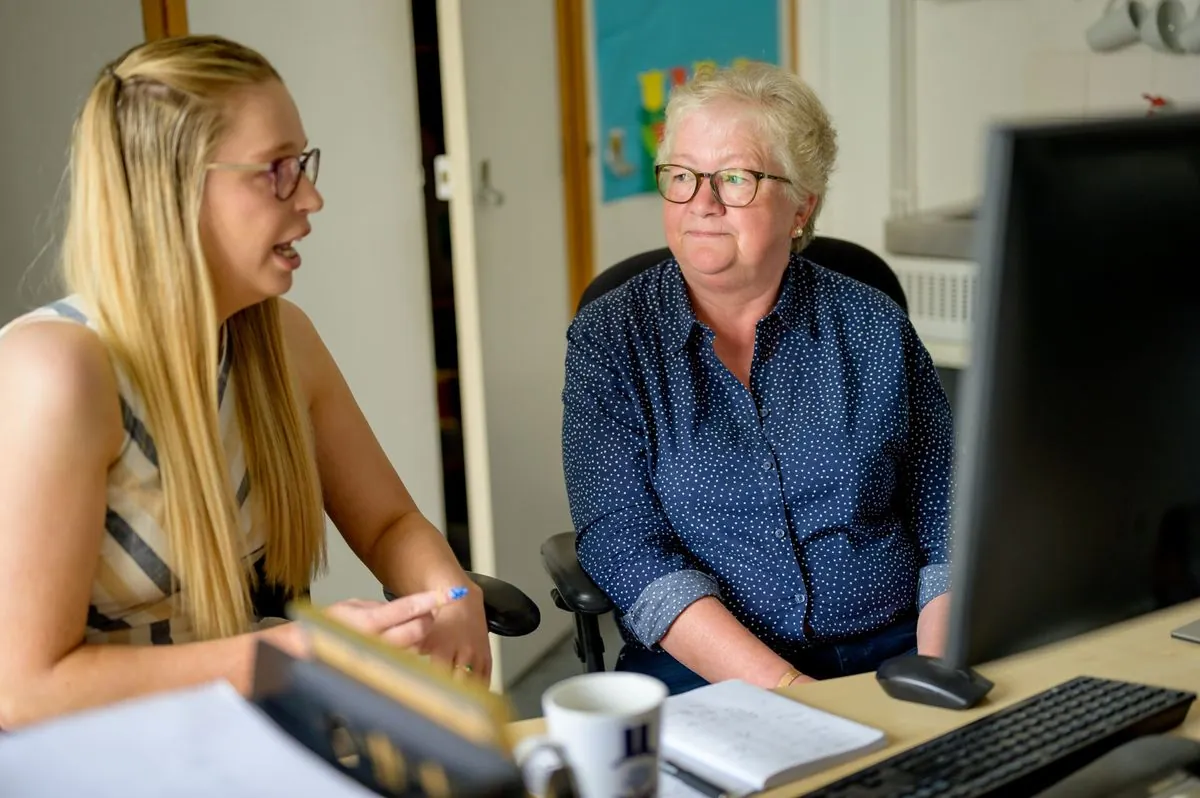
point(857, 655)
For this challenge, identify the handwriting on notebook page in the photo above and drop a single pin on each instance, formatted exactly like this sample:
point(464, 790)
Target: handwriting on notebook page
point(757, 736)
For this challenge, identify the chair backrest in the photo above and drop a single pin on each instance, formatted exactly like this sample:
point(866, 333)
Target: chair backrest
point(840, 256)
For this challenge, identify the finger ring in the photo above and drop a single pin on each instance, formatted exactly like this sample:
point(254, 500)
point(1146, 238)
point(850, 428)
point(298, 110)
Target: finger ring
point(468, 668)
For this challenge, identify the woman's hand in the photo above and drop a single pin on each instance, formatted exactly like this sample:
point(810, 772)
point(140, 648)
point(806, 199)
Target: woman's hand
point(404, 622)
point(459, 637)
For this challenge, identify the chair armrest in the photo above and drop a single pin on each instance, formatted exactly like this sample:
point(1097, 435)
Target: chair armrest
point(576, 589)
point(509, 612)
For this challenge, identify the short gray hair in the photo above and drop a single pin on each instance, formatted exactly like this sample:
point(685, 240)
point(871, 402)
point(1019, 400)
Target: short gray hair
point(793, 122)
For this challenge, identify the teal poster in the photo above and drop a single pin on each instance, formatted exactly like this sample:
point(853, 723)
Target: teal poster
point(643, 48)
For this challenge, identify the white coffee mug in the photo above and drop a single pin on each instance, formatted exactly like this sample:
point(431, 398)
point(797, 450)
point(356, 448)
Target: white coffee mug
point(607, 727)
point(1119, 26)
point(1162, 24)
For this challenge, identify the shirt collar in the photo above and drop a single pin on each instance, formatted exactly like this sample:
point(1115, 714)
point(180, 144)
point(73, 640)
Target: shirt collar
point(796, 306)
point(678, 317)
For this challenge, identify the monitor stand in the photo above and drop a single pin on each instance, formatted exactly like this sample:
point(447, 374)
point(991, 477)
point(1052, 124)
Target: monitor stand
point(931, 681)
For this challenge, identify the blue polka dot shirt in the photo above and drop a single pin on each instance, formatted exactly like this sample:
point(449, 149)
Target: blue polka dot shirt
point(815, 504)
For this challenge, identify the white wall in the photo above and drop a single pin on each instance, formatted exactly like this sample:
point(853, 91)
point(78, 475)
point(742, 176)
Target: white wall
point(844, 56)
point(976, 62)
point(991, 59)
point(50, 54)
point(365, 278)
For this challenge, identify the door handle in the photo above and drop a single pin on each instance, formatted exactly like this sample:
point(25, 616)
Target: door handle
point(488, 194)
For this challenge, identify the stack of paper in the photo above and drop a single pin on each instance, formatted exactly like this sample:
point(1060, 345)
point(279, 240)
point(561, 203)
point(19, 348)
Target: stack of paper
point(200, 742)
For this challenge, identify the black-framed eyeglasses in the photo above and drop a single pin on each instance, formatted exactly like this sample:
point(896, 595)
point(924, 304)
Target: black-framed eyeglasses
point(284, 171)
point(733, 188)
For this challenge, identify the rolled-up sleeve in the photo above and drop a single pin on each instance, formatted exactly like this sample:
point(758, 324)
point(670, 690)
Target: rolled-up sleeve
point(623, 537)
point(928, 469)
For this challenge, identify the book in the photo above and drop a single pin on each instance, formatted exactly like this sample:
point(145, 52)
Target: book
point(467, 707)
point(744, 739)
point(396, 721)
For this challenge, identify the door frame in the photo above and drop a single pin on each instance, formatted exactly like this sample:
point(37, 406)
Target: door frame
point(164, 18)
point(576, 132)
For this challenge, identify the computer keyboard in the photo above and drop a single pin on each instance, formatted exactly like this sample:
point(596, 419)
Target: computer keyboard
point(1024, 748)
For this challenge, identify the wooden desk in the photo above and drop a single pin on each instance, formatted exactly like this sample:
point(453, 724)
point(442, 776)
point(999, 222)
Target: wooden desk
point(1141, 650)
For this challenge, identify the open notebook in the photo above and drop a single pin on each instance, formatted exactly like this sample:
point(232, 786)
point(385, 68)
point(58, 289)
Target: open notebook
point(745, 739)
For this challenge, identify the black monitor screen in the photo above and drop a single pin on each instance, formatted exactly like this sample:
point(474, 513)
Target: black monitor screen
point(1079, 473)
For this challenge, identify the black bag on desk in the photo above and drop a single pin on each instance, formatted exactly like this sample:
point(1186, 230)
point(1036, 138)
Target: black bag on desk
point(385, 745)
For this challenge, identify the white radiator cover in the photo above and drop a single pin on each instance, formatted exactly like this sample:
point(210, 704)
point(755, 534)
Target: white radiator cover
point(941, 298)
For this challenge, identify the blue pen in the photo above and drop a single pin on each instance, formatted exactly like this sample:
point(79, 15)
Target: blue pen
point(692, 780)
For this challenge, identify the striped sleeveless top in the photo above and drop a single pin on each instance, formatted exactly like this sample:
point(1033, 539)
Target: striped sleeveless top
point(132, 597)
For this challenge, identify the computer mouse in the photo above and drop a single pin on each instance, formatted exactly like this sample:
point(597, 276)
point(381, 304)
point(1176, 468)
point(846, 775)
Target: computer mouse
point(929, 680)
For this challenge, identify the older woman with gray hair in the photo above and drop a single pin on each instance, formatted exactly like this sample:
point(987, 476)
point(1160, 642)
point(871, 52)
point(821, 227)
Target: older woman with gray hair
point(757, 449)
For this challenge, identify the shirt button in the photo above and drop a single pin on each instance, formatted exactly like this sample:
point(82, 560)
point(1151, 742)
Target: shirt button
point(781, 534)
point(763, 412)
point(769, 464)
point(799, 597)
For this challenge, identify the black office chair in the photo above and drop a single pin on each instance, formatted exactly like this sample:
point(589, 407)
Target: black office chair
point(574, 591)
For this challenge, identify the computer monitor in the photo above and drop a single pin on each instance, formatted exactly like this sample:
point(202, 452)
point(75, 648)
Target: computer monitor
point(1078, 498)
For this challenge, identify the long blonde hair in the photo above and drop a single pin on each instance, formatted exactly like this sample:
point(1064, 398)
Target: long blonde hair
point(132, 251)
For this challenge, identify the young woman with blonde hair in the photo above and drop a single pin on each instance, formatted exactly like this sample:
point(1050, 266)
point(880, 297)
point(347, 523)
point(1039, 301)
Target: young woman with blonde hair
point(172, 443)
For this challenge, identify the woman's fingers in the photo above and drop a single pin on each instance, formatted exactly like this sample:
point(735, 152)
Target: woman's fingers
point(378, 617)
point(408, 622)
point(353, 613)
point(409, 633)
point(351, 606)
point(407, 608)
